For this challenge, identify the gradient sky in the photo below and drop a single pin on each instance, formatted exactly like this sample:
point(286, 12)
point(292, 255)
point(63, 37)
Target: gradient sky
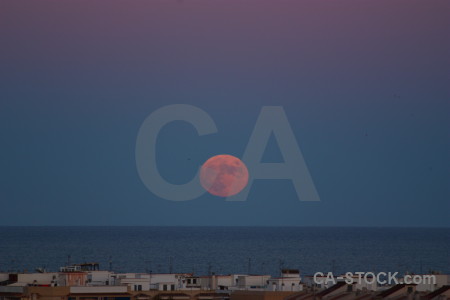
point(365, 85)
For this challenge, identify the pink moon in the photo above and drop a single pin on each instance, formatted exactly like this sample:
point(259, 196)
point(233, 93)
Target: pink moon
point(223, 175)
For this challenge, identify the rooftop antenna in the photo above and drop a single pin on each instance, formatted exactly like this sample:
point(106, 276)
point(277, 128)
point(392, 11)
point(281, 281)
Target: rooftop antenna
point(281, 265)
point(209, 269)
point(209, 274)
point(281, 271)
point(148, 264)
point(110, 263)
point(401, 268)
point(333, 266)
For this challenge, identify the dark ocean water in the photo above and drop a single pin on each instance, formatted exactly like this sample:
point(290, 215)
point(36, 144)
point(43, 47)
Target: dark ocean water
point(227, 249)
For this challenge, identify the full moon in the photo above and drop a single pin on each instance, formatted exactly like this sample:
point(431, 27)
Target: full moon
point(223, 175)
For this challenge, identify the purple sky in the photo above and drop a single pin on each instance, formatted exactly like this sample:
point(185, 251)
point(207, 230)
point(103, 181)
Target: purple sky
point(365, 85)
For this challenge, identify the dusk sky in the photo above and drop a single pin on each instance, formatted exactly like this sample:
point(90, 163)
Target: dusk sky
point(365, 86)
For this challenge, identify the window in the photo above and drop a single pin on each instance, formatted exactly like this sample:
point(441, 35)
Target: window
point(165, 287)
point(172, 287)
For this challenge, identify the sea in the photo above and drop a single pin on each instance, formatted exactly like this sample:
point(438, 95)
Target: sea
point(227, 250)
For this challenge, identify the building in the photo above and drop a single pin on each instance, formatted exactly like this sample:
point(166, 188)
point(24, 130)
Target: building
point(289, 281)
point(251, 282)
point(25, 279)
point(159, 282)
point(72, 278)
point(101, 293)
point(427, 282)
point(100, 278)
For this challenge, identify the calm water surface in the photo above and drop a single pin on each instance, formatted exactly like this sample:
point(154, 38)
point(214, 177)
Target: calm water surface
point(227, 249)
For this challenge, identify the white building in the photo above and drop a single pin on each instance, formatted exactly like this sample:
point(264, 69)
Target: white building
point(289, 281)
point(226, 282)
point(24, 279)
point(193, 283)
point(427, 282)
point(218, 282)
point(252, 282)
point(146, 282)
point(100, 278)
